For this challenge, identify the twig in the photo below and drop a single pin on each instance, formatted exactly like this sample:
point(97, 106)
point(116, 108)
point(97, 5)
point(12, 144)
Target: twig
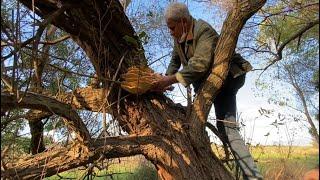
point(159, 59)
point(63, 38)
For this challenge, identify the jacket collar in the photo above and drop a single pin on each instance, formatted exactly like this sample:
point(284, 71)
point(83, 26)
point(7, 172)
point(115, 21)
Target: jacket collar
point(189, 35)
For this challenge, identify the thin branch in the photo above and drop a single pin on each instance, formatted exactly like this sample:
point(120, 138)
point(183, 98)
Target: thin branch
point(23, 44)
point(41, 28)
point(214, 130)
point(53, 42)
point(159, 59)
point(289, 10)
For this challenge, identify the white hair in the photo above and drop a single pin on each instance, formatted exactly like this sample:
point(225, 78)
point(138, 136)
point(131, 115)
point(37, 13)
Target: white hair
point(176, 11)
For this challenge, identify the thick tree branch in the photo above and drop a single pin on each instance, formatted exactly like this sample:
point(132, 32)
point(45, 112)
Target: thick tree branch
point(62, 159)
point(83, 98)
point(45, 103)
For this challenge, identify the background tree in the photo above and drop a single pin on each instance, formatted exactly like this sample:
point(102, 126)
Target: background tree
point(289, 32)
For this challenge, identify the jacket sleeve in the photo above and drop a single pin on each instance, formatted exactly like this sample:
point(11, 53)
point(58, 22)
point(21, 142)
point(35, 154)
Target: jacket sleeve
point(200, 63)
point(175, 62)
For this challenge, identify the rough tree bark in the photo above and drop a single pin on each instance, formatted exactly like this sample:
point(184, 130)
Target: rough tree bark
point(177, 145)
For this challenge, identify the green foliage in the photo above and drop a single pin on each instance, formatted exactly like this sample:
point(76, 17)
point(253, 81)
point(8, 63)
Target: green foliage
point(18, 144)
point(131, 41)
point(53, 123)
point(60, 50)
point(289, 19)
point(143, 36)
point(10, 134)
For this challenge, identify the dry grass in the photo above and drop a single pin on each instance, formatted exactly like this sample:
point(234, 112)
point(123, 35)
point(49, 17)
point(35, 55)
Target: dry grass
point(284, 162)
point(274, 162)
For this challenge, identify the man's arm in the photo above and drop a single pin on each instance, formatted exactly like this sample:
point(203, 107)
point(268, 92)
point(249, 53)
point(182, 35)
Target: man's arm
point(175, 62)
point(164, 83)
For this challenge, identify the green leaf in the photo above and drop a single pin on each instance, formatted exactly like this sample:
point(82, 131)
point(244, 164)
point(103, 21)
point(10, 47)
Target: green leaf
point(131, 41)
point(150, 14)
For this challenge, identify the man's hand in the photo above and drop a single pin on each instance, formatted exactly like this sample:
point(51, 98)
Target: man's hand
point(164, 83)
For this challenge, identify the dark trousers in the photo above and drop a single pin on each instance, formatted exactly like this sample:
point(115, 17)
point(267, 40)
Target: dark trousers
point(226, 109)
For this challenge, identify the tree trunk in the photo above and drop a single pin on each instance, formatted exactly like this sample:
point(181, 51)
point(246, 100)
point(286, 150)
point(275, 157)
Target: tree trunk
point(175, 156)
point(313, 130)
point(36, 129)
point(175, 143)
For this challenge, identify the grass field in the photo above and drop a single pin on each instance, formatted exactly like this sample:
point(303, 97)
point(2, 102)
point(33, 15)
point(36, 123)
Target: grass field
point(274, 162)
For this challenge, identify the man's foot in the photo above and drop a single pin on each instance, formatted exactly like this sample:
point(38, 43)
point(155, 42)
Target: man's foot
point(256, 177)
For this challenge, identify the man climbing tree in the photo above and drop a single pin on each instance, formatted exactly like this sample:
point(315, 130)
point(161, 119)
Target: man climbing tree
point(194, 45)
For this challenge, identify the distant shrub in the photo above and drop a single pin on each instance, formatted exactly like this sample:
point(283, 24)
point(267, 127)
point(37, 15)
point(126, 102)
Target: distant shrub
point(146, 172)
